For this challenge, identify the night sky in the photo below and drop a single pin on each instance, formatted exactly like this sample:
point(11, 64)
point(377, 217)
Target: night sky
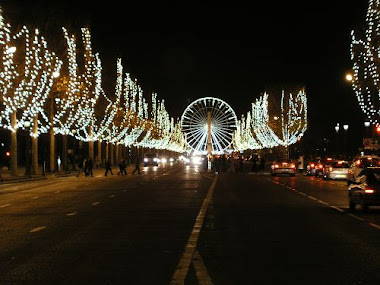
point(232, 51)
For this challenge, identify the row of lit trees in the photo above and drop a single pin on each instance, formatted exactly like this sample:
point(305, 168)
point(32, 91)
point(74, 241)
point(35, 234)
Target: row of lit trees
point(264, 129)
point(42, 93)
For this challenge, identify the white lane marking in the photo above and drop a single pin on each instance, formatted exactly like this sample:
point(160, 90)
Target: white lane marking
point(34, 198)
point(356, 217)
point(111, 196)
point(323, 202)
point(337, 208)
point(37, 229)
point(312, 198)
point(72, 214)
point(95, 203)
point(375, 226)
point(201, 270)
point(6, 205)
point(182, 268)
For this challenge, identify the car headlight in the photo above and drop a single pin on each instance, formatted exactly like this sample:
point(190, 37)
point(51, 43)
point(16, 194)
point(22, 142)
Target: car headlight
point(155, 159)
point(145, 160)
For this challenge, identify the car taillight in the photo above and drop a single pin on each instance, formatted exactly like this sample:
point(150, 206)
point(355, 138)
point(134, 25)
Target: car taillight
point(312, 165)
point(320, 166)
point(330, 168)
point(276, 166)
point(293, 166)
point(369, 191)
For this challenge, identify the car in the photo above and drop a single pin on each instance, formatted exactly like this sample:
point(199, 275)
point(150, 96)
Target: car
point(366, 191)
point(283, 166)
point(314, 168)
point(151, 159)
point(363, 181)
point(359, 164)
point(337, 169)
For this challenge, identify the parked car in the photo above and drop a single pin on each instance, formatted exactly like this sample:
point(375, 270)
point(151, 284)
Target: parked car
point(363, 182)
point(151, 159)
point(283, 166)
point(338, 169)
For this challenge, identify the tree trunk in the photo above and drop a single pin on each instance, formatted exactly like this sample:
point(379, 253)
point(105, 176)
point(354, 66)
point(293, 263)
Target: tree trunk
point(35, 146)
point(65, 165)
point(99, 152)
point(14, 166)
point(52, 137)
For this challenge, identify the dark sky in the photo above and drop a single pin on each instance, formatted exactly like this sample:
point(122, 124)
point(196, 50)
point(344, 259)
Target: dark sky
point(234, 51)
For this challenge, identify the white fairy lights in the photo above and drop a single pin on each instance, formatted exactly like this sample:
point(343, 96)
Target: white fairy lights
point(255, 132)
point(365, 54)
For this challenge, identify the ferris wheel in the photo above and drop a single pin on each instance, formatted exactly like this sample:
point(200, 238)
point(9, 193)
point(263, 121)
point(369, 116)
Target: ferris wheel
point(208, 122)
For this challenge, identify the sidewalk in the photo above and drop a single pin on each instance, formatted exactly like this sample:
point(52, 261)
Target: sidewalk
point(7, 178)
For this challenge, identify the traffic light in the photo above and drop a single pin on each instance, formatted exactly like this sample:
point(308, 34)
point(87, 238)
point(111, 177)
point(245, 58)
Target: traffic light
point(378, 129)
point(8, 154)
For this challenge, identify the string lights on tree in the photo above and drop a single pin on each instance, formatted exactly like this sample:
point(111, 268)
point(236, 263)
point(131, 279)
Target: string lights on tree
point(365, 55)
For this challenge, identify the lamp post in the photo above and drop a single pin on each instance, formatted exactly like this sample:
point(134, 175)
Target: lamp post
point(337, 138)
point(345, 128)
point(366, 125)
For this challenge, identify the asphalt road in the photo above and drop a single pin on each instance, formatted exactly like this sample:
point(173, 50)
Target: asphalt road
point(179, 225)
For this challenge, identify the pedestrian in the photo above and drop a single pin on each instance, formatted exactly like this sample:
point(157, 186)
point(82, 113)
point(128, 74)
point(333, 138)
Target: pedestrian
point(254, 163)
point(137, 166)
point(90, 166)
point(122, 167)
point(262, 163)
point(300, 164)
point(81, 165)
point(108, 167)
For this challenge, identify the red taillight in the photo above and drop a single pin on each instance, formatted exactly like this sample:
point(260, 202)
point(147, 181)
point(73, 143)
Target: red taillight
point(312, 165)
point(8, 154)
point(330, 168)
point(293, 166)
point(320, 166)
point(276, 166)
point(357, 162)
point(369, 191)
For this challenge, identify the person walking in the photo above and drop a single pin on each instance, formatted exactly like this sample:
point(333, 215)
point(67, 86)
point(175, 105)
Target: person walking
point(108, 167)
point(122, 167)
point(90, 166)
point(81, 165)
point(137, 166)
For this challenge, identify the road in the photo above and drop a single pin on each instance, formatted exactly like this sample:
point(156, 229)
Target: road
point(179, 225)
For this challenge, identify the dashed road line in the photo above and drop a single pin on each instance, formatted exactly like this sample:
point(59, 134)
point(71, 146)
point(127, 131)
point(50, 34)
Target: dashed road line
point(356, 217)
point(6, 205)
point(326, 204)
point(112, 196)
point(37, 229)
point(72, 214)
point(95, 203)
point(374, 225)
point(34, 198)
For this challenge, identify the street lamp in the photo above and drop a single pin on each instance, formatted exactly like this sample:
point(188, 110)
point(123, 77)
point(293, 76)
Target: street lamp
point(349, 77)
point(366, 125)
point(337, 139)
point(345, 128)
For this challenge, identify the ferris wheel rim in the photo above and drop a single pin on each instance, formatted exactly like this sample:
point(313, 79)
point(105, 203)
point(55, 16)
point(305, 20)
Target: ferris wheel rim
point(224, 125)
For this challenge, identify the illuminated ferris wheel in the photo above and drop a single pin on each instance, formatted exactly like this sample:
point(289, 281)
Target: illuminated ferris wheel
point(208, 124)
